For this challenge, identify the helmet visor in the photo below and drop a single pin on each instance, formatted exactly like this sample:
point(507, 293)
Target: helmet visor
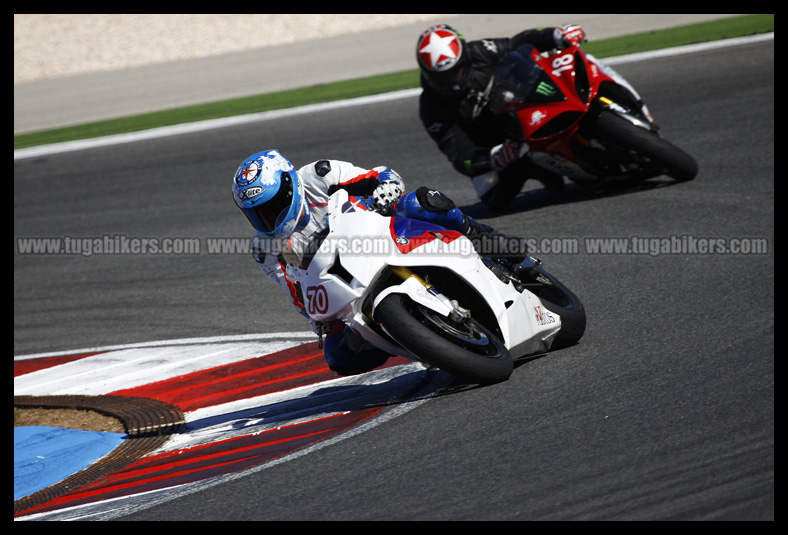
point(270, 211)
point(447, 81)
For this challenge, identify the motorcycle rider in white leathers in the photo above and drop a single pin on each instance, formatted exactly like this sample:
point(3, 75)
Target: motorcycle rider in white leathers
point(288, 209)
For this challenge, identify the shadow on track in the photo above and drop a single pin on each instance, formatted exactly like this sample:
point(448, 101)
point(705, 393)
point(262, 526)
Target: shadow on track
point(537, 197)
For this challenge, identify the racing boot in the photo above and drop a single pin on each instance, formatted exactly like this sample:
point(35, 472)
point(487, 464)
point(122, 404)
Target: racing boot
point(497, 190)
point(552, 182)
point(525, 167)
point(489, 242)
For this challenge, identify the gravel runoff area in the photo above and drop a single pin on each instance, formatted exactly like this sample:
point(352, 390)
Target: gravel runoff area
point(85, 420)
point(51, 45)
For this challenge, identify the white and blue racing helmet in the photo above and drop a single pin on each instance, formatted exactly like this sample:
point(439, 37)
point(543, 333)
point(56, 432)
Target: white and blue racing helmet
point(267, 190)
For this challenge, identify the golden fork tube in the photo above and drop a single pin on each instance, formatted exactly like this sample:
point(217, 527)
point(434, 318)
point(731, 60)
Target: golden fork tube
point(406, 273)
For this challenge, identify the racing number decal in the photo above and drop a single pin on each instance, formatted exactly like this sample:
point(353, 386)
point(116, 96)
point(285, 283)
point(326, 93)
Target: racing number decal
point(562, 63)
point(317, 298)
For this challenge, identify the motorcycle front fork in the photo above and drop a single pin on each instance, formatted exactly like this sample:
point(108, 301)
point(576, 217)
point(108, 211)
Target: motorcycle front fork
point(457, 314)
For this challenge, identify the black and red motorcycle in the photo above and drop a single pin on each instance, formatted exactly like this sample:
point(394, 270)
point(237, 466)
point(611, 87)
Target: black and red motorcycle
point(582, 120)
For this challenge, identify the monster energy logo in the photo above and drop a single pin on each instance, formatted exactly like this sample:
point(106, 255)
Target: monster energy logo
point(545, 89)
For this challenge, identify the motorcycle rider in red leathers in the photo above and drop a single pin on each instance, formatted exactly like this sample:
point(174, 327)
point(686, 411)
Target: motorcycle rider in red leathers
point(289, 208)
point(455, 75)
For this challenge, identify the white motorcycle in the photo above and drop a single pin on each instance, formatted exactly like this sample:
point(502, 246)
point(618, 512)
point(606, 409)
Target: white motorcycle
point(418, 290)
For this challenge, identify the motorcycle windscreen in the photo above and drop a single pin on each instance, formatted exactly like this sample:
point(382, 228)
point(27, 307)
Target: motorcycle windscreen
point(518, 80)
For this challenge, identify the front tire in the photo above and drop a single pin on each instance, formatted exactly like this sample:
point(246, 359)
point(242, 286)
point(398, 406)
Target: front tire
point(466, 350)
point(557, 298)
point(648, 146)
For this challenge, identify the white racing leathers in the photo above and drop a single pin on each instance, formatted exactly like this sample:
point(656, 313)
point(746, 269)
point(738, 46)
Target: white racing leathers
point(320, 179)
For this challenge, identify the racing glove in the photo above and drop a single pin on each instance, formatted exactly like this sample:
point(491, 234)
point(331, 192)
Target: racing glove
point(568, 35)
point(321, 328)
point(386, 195)
point(324, 328)
point(508, 152)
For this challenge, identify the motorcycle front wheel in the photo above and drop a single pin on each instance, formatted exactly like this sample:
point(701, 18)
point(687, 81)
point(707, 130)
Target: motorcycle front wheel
point(653, 150)
point(556, 297)
point(466, 350)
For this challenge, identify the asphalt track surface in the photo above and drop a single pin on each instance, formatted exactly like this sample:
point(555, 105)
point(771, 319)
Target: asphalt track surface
point(663, 411)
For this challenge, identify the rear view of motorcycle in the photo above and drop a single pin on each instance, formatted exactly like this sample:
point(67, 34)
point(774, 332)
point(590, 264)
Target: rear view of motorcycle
point(582, 120)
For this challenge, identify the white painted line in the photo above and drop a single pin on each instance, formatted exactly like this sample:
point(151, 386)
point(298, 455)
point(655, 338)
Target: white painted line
point(300, 335)
point(688, 49)
point(188, 128)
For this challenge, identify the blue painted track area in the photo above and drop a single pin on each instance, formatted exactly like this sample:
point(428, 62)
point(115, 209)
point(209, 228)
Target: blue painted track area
point(45, 455)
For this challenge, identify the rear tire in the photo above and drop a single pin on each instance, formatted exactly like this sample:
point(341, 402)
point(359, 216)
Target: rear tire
point(654, 150)
point(466, 350)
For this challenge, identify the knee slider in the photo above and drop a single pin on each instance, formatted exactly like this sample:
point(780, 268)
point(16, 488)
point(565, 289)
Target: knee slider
point(434, 200)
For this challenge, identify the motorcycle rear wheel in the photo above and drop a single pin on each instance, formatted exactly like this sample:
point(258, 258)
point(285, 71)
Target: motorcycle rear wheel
point(654, 150)
point(466, 350)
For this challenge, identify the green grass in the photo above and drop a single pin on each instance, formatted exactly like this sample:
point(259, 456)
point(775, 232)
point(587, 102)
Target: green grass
point(696, 33)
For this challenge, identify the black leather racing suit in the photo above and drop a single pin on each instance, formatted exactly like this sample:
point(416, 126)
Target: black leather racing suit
point(462, 125)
